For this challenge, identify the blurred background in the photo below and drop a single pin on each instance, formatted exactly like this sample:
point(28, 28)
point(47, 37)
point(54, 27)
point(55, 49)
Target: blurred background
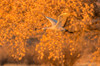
point(23, 42)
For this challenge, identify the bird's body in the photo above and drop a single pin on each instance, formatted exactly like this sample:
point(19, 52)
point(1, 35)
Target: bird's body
point(55, 28)
point(57, 24)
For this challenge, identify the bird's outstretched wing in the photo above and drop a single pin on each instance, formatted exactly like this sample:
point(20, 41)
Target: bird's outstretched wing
point(61, 20)
point(53, 21)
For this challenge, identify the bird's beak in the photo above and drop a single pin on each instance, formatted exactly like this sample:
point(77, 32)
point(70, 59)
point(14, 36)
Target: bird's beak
point(44, 29)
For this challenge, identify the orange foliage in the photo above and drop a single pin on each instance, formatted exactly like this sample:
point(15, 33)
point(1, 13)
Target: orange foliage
point(22, 19)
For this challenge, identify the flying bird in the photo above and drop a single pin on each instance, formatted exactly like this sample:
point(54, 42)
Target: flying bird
point(57, 24)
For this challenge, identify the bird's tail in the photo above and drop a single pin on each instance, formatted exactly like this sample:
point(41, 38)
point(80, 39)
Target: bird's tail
point(68, 31)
